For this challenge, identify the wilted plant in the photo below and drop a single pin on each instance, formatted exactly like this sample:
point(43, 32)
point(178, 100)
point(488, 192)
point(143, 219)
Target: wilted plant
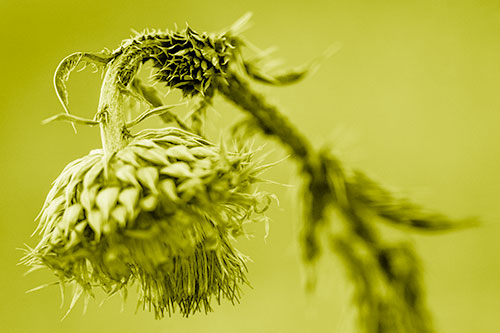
point(160, 206)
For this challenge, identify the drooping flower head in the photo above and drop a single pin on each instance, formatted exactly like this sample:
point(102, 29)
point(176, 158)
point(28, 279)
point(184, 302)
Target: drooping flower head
point(160, 213)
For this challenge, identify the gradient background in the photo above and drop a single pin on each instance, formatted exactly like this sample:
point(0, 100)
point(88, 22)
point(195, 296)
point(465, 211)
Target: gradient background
point(412, 98)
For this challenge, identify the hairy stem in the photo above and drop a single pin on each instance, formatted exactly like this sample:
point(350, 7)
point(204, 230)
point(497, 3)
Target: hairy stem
point(318, 194)
point(388, 290)
point(111, 115)
point(269, 119)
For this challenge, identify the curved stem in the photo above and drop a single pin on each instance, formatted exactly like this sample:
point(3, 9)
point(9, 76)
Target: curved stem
point(120, 73)
point(111, 115)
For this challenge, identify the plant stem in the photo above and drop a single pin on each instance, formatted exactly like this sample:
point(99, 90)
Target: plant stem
point(111, 115)
point(318, 194)
point(270, 120)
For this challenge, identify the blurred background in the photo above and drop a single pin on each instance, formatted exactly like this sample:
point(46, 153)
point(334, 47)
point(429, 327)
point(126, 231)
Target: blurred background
point(411, 98)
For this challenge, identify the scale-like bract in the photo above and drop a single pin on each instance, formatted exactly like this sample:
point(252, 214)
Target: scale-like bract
point(160, 212)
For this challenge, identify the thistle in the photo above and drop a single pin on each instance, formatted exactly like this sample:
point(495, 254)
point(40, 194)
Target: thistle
point(160, 207)
point(161, 211)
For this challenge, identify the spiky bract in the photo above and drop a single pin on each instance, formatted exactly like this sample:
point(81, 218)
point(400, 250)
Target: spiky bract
point(161, 212)
point(184, 59)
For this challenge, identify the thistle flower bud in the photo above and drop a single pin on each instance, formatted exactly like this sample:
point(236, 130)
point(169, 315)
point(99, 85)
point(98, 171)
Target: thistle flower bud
point(148, 215)
point(185, 59)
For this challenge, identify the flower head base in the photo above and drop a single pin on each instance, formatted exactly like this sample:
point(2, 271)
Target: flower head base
point(161, 212)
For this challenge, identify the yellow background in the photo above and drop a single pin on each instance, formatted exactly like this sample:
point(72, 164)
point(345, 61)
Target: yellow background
point(412, 97)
